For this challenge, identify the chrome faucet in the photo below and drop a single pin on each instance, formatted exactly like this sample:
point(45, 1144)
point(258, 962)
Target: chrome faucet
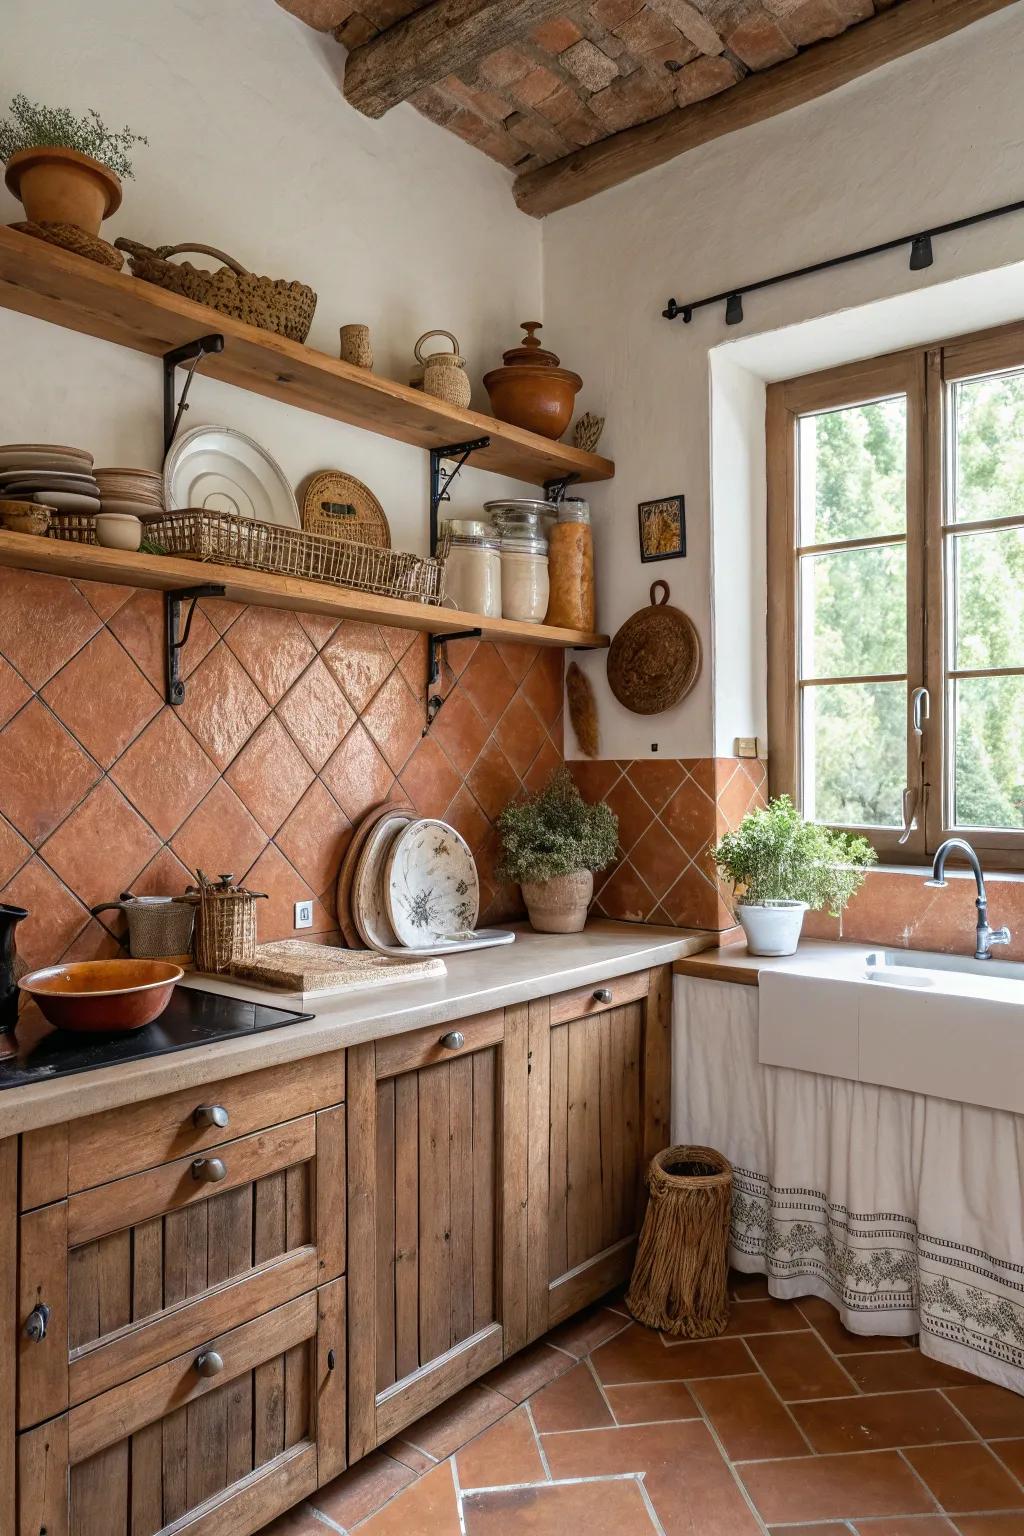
point(986, 936)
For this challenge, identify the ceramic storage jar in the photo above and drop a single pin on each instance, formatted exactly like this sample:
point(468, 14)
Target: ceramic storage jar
point(571, 567)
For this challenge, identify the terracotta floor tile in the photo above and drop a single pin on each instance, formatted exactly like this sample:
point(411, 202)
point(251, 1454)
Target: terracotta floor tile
point(903, 1370)
point(409, 1455)
point(763, 1315)
point(966, 1477)
point(427, 1505)
point(505, 1453)
point(703, 1502)
point(651, 1402)
point(456, 1421)
point(637, 1354)
point(527, 1372)
point(585, 1333)
point(824, 1318)
point(799, 1366)
point(601, 1509)
point(866, 1423)
point(362, 1490)
point(745, 1287)
point(995, 1413)
point(835, 1488)
point(991, 1525)
point(902, 1525)
point(748, 1418)
point(574, 1401)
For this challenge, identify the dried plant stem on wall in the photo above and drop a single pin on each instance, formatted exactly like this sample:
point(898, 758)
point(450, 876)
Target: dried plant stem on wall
point(582, 710)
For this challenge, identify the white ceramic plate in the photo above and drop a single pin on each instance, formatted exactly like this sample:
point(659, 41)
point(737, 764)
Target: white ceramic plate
point(483, 938)
point(369, 909)
point(66, 501)
point(431, 885)
point(225, 471)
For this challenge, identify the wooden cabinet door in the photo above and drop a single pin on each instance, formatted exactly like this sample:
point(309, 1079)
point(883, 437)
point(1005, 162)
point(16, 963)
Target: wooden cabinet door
point(437, 1216)
point(210, 1443)
point(598, 1111)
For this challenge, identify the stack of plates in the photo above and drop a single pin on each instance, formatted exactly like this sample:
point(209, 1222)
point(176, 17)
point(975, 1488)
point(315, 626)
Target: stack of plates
point(133, 491)
point(49, 474)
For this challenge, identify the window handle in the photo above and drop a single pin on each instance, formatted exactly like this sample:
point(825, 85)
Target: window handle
point(920, 709)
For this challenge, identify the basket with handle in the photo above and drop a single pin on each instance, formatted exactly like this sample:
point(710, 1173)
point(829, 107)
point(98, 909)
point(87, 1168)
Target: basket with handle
point(272, 304)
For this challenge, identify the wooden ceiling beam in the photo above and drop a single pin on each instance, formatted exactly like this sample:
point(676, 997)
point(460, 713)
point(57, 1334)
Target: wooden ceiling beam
point(821, 68)
point(446, 38)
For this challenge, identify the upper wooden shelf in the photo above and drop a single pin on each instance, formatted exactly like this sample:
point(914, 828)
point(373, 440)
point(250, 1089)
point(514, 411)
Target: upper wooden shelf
point(90, 562)
point(41, 280)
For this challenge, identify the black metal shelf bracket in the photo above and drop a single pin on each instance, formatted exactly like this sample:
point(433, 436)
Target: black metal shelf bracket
point(192, 352)
point(441, 480)
point(175, 642)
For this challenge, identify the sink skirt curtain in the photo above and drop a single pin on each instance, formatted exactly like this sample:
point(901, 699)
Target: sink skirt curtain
point(905, 1212)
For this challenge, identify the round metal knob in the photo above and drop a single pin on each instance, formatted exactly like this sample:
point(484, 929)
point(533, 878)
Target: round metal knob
point(454, 1040)
point(603, 995)
point(209, 1115)
point(209, 1363)
point(208, 1170)
point(35, 1326)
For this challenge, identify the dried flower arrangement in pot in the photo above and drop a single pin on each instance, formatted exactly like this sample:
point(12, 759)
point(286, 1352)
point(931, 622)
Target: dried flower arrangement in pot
point(64, 169)
point(782, 865)
point(552, 842)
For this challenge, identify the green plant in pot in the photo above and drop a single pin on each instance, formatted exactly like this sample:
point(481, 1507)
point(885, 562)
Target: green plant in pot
point(781, 865)
point(64, 169)
point(552, 842)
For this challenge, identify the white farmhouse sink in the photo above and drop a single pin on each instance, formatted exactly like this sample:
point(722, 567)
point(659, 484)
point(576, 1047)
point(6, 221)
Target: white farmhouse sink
point(945, 1025)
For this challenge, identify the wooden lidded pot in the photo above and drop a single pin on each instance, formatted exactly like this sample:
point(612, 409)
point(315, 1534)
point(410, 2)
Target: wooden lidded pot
point(532, 391)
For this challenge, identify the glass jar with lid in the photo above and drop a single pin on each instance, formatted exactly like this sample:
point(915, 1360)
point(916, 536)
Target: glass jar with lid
point(473, 569)
point(524, 577)
point(571, 567)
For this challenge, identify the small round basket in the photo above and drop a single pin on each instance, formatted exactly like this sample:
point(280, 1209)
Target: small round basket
point(682, 1260)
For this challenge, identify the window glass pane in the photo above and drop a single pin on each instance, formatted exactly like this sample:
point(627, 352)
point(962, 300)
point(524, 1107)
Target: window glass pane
point(987, 719)
point(855, 753)
point(989, 447)
point(853, 609)
point(988, 591)
point(853, 472)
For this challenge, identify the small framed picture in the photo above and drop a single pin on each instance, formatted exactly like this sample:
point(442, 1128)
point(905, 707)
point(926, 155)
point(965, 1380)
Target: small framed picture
point(662, 527)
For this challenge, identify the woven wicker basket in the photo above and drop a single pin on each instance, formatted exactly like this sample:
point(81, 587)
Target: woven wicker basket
point(272, 304)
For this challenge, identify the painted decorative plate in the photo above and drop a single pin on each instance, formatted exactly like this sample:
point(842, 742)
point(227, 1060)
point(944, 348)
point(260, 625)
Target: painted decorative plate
point(221, 470)
point(369, 909)
point(431, 885)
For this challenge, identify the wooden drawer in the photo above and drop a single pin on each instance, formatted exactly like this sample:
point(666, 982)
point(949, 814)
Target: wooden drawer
point(133, 1271)
point(62, 1159)
point(582, 1002)
point(209, 1454)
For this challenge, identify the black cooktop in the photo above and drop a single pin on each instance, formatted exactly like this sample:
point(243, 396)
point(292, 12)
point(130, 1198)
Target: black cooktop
point(190, 1018)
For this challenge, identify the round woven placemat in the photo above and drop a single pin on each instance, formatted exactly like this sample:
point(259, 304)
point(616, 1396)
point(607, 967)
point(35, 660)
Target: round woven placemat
point(654, 660)
point(342, 507)
point(70, 238)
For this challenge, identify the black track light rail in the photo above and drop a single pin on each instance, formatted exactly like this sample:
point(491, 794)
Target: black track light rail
point(920, 258)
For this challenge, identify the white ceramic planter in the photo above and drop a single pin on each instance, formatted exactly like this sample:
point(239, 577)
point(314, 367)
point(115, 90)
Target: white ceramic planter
point(772, 928)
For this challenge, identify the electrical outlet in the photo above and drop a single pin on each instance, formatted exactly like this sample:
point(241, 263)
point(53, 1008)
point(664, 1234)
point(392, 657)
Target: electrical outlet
point(303, 914)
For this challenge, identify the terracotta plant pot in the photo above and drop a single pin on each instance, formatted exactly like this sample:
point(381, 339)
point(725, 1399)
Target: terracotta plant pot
point(559, 905)
point(61, 186)
point(532, 391)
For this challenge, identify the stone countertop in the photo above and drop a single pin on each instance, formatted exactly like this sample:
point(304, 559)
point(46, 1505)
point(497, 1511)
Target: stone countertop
point(536, 965)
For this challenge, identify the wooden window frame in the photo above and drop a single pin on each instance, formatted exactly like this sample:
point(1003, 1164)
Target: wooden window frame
point(926, 376)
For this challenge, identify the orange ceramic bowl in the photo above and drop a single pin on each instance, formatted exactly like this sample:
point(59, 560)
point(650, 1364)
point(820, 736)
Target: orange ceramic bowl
point(103, 996)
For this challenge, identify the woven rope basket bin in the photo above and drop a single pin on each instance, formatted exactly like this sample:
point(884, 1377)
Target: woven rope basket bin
point(682, 1260)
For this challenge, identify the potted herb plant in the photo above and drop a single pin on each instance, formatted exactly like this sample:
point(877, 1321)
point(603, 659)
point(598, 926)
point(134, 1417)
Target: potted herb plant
point(64, 169)
point(781, 865)
point(552, 842)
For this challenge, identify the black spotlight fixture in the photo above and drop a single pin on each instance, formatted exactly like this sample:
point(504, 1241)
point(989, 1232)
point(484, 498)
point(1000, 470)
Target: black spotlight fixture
point(734, 309)
point(921, 253)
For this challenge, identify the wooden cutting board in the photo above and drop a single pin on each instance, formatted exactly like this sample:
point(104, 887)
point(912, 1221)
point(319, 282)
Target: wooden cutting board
point(296, 965)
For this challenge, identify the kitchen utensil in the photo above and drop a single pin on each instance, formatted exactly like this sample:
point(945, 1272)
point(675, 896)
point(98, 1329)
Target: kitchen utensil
point(272, 304)
point(369, 907)
point(224, 471)
point(355, 345)
point(339, 506)
point(431, 885)
point(24, 517)
point(159, 927)
point(103, 995)
point(481, 938)
point(10, 917)
point(118, 530)
point(349, 864)
point(311, 969)
point(225, 929)
point(531, 390)
point(654, 659)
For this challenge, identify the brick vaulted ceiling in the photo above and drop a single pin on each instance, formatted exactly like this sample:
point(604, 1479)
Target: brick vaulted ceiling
point(545, 86)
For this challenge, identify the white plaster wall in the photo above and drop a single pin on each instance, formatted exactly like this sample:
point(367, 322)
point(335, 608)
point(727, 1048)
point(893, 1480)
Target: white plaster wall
point(924, 140)
point(253, 149)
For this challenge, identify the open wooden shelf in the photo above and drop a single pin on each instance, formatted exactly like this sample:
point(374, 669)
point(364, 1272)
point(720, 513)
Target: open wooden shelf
point(90, 562)
point(41, 280)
